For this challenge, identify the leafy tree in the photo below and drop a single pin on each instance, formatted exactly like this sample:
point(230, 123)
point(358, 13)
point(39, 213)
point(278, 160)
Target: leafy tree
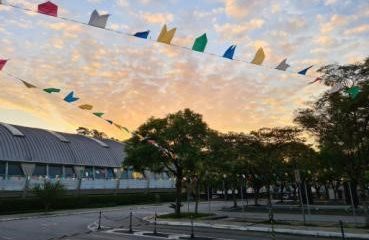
point(91, 133)
point(340, 122)
point(182, 135)
point(49, 193)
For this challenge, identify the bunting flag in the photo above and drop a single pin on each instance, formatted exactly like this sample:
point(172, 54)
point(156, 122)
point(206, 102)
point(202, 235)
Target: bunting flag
point(98, 20)
point(86, 107)
point(142, 34)
point(200, 43)
point(28, 85)
point(318, 79)
point(166, 36)
point(121, 127)
point(353, 91)
point(283, 65)
point(229, 52)
point(98, 114)
point(259, 57)
point(2, 63)
point(304, 71)
point(48, 8)
point(70, 97)
point(52, 90)
point(109, 121)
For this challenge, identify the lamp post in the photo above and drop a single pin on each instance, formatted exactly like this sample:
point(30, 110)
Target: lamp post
point(243, 177)
point(224, 189)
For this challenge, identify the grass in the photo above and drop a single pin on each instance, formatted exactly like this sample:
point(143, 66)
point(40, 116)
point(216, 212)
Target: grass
point(186, 215)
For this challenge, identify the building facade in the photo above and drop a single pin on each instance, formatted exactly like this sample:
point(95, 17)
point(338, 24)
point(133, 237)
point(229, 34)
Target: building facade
point(30, 156)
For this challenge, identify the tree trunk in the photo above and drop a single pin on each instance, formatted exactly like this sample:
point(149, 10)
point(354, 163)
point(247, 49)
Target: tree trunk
point(178, 194)
point(234, 197)
point(326, 192)
point(281, 191)
point(365, 203)
point(256, 195)
point(197, 192)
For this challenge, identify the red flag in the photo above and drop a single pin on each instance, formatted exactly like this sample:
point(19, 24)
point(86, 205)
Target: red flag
point(48, 8)
point(316, 80)
point(2, 63)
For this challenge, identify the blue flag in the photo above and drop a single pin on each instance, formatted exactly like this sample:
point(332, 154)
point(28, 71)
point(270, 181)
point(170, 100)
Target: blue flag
point(229, 52)
point(303, 72)
point(142, 34)
point(70, 98)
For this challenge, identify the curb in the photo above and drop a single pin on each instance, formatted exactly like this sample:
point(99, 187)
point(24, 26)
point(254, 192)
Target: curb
point(263, 229)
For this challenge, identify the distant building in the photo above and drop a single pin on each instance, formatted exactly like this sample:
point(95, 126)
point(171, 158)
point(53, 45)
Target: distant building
point(30, 156)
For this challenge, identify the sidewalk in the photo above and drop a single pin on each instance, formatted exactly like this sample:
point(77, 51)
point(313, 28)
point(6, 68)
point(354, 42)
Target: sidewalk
point(350, 233)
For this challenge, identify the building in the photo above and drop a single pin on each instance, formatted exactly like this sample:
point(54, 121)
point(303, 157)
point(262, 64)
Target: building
point(30, 156)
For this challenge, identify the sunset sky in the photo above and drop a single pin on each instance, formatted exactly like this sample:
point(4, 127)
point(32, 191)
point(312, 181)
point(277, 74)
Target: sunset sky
point(131, 79)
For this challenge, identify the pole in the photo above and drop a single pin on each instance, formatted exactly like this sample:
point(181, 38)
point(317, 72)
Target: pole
point(302, 203)
point(155, 230)
point(243, 205)
point(342, 230)
point(99, 227)
point(307, 200)
point(352, 203)
point(192, 230)
point(188, 198)
point(209, 203)
point(130, 222)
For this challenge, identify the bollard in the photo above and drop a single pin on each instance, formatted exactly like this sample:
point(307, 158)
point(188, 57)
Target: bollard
point(192, 232)
point(155, 231)
point(342, 230)
point(99, 227)
point(130, 222)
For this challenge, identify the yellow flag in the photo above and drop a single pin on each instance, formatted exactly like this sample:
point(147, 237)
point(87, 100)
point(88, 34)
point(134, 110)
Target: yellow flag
point(259, 57)
point(166, 36)
point(86, 107)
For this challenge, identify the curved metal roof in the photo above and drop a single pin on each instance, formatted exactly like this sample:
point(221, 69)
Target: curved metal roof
point(42, 146)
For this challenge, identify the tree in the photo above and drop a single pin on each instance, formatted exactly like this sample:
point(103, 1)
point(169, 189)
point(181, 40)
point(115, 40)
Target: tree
point(182, 135)
point(91, 133)
point(49, 193)
point(340, 122)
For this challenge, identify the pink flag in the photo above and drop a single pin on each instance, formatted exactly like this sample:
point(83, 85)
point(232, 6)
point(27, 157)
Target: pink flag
point(48, 8)
point(2, 63)
point(316, 80)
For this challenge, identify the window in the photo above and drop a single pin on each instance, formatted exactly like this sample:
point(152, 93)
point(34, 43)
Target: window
point(40, 170)
point(110, 173)
point(14, 169)
point(69, 172)
point(55, 171)
point(99, 173)
point(2, 170)
point(89, 172)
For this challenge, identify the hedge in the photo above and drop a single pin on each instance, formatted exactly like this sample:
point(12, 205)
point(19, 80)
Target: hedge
point(18, 205)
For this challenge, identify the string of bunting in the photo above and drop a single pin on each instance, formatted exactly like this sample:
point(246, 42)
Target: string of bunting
point(71, 97)
point(166, 36)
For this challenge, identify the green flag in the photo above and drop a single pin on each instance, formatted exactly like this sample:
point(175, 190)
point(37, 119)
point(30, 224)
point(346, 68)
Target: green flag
point(52, 90)
point(200, 43)
point(353, 91)
point(98, 114)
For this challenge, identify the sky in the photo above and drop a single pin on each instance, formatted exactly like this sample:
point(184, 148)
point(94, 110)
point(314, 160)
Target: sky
point(132, 79)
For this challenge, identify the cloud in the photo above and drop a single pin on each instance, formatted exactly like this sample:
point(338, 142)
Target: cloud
point(234, 31)
point(357, 30)
point(241, 8)
point(157, 18)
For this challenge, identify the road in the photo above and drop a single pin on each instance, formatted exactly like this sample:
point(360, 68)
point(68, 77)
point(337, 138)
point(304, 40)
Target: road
point(75, 223)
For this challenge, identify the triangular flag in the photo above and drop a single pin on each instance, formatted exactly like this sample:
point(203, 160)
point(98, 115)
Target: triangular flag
point(304, 71)
point(2, 63)
point(28, 85)
point(316, 80)
point(166, 36)
point(121, 127)
point(52, 90)
point(48, 8)
point(98, 20)
point(109, 121)
point(86, 107)
point(200, 43)
point(142, 34)
point(229, 52)
point(283, 65)
point(259, 57)
point(70, 98)
point(98, 114)
point(353, 91)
